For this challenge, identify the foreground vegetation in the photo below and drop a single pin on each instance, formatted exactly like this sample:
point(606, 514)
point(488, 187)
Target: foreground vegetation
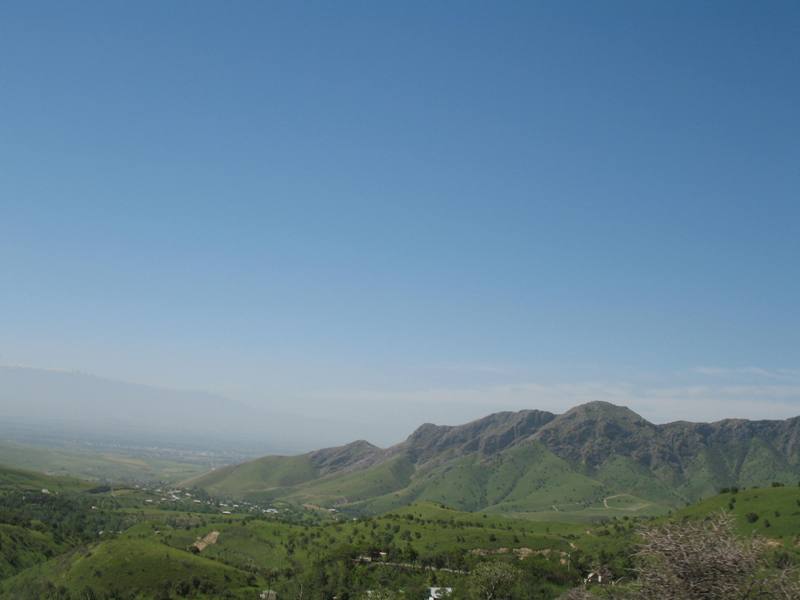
point(65, 539)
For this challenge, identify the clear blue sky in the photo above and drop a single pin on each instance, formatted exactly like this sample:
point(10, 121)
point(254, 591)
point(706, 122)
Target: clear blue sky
point(296, 203)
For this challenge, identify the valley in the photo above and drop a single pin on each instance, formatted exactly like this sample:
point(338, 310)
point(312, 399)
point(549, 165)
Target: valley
point(551, 497)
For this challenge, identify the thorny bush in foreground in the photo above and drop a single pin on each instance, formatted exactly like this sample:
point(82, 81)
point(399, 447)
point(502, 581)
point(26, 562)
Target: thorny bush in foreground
point(704, 560)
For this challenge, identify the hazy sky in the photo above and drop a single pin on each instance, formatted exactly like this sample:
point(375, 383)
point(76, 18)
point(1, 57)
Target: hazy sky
point(424, 210)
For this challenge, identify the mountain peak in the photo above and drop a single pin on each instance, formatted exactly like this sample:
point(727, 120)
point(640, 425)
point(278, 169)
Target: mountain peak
point(487, 435)
point(342, 458)
point(588, 434)
point(602, 409)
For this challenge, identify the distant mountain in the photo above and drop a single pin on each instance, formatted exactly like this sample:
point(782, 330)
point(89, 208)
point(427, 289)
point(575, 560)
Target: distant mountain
point(53, 405)
point(593, 459)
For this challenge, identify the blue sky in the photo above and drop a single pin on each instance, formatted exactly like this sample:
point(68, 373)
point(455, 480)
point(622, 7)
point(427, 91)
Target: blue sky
point(411, 205)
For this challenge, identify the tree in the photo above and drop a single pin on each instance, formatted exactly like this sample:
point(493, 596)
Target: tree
point(492, 581)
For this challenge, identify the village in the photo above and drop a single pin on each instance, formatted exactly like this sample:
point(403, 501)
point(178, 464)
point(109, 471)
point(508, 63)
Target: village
point(176, 498)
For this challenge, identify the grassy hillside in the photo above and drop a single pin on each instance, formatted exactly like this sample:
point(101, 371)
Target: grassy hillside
point(262, 477)
point(771, 511)
point(79, 542)
point(392, 475)
point(14, 479)
point(23, 547)
point(527, 480)
point(117, 566)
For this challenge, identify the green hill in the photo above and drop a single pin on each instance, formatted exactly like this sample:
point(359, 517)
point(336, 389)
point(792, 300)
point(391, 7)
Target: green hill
point(19, 479)
point(769, 511)
point(77, 541)
point(118, 566)
point(593, 461)
point(62, 538)
point(263, 476)
point(23, 547)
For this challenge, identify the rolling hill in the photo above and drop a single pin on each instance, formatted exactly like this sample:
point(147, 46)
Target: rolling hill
point(596, 459)
point(78, 541)
point(82, 541)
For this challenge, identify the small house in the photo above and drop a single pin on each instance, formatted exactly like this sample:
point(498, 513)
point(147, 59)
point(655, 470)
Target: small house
point(438, 593)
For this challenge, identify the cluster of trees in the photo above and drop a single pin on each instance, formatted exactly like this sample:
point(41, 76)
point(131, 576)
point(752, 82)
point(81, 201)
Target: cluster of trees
point(168, 591)
point(339, 575)
point(68, 517)
point(689, 560)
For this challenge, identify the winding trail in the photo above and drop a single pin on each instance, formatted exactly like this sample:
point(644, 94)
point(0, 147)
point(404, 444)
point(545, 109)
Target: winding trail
point(607, 498)
point(628, 508)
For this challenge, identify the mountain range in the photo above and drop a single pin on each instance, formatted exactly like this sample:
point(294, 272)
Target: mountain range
point(595, 459)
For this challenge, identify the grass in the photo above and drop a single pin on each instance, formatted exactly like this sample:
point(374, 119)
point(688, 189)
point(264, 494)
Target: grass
point(262, 478)
point(353, 487)
point(152, 555)
point(426, 528)
point(777, 509)
point(129, 563)
point(19, 479)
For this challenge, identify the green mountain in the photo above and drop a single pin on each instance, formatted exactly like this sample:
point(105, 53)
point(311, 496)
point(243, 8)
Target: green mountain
point(596, 459)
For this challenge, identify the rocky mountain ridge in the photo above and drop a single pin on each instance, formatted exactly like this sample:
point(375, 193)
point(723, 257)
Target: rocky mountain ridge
point(529, 460)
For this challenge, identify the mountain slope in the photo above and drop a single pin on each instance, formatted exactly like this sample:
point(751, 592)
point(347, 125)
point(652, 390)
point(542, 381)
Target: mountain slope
point(595, 457)
point(274, 475)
